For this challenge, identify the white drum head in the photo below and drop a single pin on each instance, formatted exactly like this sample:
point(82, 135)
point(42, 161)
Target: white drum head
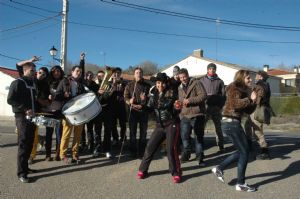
point(79, 102)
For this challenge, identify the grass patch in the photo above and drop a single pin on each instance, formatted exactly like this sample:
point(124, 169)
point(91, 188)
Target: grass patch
point(289, 105)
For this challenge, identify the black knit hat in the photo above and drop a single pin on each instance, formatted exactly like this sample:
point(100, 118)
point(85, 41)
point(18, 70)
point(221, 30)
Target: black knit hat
point(175, 70)
point(211, 65)
point(161, 77)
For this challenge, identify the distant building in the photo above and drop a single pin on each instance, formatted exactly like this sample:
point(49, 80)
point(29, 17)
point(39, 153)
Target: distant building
point(290, 82)
point(196, 64)
point(6, 77)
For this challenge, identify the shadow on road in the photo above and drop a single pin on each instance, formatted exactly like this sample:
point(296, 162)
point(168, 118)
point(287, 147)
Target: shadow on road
point(8, 145)
point(291, 170)
point(85, 164)
point(279, 147)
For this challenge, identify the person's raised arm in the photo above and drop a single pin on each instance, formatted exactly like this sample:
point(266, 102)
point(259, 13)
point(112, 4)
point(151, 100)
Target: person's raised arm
point(20, 64)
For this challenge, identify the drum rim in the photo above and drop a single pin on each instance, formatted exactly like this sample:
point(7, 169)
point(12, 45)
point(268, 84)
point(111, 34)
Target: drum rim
point(83, 122)
point(83, 108)
point(55, 121)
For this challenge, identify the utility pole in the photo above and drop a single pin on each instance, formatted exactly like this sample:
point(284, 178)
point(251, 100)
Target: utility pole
point(64, 34)
point(217, 30)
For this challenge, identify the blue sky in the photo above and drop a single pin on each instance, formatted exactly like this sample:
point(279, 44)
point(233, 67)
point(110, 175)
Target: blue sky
point(124, 48)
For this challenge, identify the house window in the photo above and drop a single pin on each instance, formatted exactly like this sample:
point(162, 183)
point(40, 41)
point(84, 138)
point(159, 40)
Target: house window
point(297, 82)
point(288, 82)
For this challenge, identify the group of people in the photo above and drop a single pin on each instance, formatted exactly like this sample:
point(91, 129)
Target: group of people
point(181, 105)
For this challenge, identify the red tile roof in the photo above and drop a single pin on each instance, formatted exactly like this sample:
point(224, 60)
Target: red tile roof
point(10, 72)
point(275, 72)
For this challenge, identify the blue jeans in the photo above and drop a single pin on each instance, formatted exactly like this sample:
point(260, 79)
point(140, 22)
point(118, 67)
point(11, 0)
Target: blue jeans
point(186, 126)
point(58, 133)
point(237, 135)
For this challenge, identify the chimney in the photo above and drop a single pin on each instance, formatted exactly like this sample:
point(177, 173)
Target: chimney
point(266, 68)
point(296, 69)
point(198, 53)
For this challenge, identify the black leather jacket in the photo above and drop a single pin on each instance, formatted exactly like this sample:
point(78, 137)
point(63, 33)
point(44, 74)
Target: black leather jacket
point(162, 104)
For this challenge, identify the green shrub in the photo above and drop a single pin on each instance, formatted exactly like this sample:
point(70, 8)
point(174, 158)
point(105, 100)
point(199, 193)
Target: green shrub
point(289, 105)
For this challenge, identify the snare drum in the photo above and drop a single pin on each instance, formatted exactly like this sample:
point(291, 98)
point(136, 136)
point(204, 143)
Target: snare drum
point(45, 121)
point(82, 108)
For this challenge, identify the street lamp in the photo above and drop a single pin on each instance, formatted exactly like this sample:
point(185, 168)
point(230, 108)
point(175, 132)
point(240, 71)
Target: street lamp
point(53, 52)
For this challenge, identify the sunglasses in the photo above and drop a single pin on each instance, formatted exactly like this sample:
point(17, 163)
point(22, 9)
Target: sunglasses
point(41, 73)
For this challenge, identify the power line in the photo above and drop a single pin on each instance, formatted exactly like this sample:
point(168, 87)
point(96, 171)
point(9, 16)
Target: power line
point(174, 34)
point(201, 18)
point(35, 7)
point(26, 33)
point(33, 13)
point(30, 24)
point(184, 15)
point(14, 58)
point(183, 35)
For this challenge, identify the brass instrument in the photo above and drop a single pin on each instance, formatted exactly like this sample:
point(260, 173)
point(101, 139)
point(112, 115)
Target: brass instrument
point(105, 85)
point(107, 76)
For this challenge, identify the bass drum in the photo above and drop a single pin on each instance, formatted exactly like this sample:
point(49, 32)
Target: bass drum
point(82, 108)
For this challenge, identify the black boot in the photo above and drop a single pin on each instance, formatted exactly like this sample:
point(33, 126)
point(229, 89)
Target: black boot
point(264, 154)
point(97, 150)
point(221, 148)
point(185, 156)
point(200, 159)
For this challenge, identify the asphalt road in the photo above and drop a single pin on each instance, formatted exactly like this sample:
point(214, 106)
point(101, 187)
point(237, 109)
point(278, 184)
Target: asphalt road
point(104, 178)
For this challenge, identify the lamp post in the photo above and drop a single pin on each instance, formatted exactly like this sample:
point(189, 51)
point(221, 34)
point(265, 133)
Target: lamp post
point(53, 53)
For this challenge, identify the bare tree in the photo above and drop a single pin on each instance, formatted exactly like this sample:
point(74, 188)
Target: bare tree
point(129, 70)
point(148, 67)
point(92, 67)
point(284, 67)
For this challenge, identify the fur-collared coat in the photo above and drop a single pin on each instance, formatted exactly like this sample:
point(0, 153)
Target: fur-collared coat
point(238, 101)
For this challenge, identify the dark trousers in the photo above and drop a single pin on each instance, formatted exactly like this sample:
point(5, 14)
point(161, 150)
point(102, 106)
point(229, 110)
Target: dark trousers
point(186, 126)
point(119, 115)
point(83, 137)
point(48, 144)
point(136, 118)
point(94, 128)
point(58, 133)
point(214, 113)
point(25, 141)
point(49, 133)
point(237, 135)
point(171, 134)
point(107, 117)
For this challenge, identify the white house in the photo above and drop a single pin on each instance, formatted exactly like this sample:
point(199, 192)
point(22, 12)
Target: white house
point(290, 80)
point(196, 64)
point(6, 77)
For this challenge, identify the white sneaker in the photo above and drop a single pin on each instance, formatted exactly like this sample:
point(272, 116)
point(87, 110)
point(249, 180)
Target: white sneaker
point(218, 173)
point(244, 187)
point(108, 154)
